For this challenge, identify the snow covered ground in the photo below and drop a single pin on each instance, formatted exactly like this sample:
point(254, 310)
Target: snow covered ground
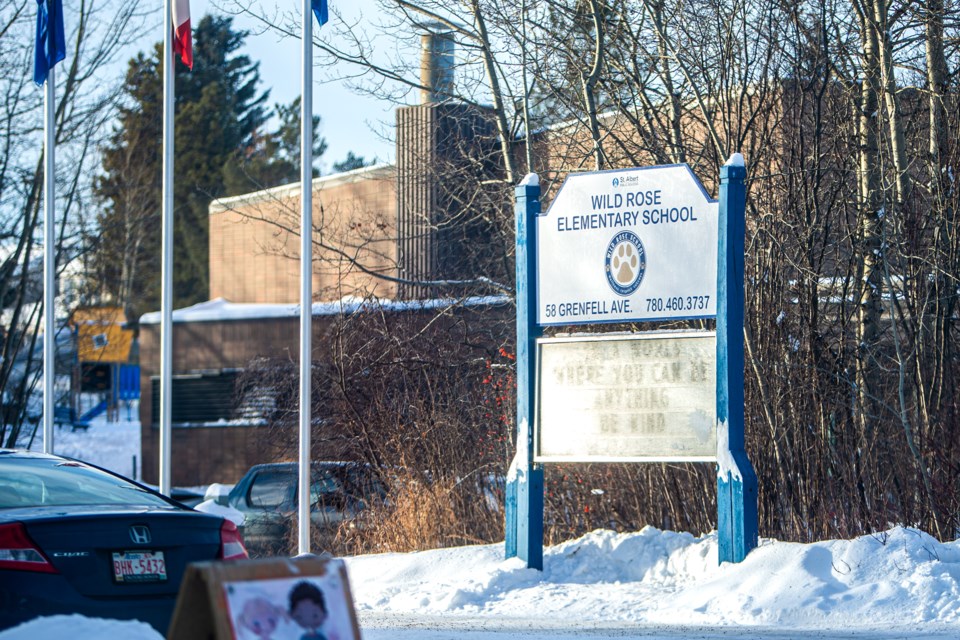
point(900, 583)
point(654, 584)
point(111, 445)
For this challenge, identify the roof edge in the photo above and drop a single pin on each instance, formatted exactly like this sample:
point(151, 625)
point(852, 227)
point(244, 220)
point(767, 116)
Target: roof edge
point(383, 170)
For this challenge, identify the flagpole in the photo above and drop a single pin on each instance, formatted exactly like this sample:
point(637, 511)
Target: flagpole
point(49, 262)
point(166, 268)
point(306, 272)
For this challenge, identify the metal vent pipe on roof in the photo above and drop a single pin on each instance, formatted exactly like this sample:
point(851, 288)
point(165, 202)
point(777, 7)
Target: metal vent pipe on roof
point(436, 63)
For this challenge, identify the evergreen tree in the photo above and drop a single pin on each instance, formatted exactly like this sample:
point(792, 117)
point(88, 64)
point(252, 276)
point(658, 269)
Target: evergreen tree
point(220, 115)
point(126, 260)
point(272, 158)
point(350, 163)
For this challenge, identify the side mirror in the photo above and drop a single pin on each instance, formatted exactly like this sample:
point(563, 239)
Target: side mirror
point(219, 493)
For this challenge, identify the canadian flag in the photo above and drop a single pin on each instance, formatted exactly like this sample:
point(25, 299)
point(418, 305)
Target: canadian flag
point(182, 40)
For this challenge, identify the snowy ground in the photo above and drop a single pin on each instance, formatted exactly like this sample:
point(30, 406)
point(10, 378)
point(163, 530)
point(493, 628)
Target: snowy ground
point(654, 584)
point(897, 584)
point(111, 445)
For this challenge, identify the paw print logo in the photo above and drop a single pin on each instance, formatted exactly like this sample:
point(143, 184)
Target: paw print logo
point(626, 263)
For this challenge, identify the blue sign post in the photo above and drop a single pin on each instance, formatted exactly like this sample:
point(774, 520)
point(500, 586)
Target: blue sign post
point(524, 491)
point(736, 480)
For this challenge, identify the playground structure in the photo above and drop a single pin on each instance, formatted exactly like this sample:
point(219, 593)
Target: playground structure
point(105, 368)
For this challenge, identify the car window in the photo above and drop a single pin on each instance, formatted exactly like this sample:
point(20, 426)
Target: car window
point(323, 483)
point(270, 489)
point(326, 489)
point(362, 482)
point(28, 482)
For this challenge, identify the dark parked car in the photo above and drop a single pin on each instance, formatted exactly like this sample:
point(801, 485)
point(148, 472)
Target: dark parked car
point(75, 538)
point(267, 497)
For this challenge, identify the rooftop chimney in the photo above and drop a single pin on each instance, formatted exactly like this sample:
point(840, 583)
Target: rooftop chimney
point(436, 63)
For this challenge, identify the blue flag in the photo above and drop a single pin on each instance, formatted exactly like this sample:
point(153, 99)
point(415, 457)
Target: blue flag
point(51, 46)
point(320, 10)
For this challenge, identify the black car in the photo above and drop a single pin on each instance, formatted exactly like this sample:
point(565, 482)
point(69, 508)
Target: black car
point(75, 538)
point(267, 497)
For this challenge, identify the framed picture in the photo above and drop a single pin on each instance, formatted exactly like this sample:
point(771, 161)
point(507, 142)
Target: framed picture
point(276, 599)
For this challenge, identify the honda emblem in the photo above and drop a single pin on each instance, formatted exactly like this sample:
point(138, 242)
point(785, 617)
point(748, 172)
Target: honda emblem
point(140, 534)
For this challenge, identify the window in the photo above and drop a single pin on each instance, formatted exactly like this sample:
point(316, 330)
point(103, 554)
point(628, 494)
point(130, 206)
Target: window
point(44, 482)
point(326, 490)
point(197, 398)
point(271, 490)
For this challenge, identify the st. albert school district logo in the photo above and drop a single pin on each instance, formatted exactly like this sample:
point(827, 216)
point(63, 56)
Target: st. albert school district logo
point(626, 262)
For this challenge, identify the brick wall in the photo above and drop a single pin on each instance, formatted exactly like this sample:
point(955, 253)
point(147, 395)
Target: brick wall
point(202, 455)
point(255, 240)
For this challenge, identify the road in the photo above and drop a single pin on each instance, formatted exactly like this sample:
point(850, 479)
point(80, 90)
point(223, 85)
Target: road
point(408, 627)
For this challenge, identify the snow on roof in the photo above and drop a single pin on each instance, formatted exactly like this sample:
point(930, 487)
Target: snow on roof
point(383, 171)
point(220, 309)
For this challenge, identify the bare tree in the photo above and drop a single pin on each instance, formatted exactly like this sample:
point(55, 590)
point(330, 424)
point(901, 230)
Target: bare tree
point(97, 31)
point(848, 115)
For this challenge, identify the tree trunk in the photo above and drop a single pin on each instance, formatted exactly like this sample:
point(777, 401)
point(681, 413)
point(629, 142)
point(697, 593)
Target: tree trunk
point(870, 235)
point(589, 82)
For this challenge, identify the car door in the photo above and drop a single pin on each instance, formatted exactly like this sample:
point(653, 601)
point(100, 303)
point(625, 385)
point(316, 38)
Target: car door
point(268, 506)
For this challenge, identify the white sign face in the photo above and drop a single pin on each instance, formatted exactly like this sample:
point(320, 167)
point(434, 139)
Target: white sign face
point(640, 398)
point(626, 245)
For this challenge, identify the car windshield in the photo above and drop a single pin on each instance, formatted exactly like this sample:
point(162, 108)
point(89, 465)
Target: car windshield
point(30, 482)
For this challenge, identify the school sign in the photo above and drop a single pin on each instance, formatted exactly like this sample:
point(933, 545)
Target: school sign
point(631, 246)
point(620, 246)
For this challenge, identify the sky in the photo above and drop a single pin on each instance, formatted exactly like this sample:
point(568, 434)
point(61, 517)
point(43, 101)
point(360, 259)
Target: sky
point(891, 585)
point(348, 121)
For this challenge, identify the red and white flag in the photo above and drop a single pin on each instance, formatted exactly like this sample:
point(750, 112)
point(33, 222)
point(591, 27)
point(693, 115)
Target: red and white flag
point(182, 40)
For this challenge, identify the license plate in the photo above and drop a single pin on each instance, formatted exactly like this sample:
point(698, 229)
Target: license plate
point(139, 566)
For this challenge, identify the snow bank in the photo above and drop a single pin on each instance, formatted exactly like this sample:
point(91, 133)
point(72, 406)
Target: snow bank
point(900, 581)
point(896, 579)
point(77, 627)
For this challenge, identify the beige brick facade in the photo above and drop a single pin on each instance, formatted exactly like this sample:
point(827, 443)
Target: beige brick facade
point(255, 240)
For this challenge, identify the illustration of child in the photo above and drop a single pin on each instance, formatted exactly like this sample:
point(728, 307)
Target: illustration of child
point(308, 609)
point(261, 617)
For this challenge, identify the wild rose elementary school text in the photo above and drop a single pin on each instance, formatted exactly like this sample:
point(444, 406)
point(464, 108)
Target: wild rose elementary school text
point(615, 219)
